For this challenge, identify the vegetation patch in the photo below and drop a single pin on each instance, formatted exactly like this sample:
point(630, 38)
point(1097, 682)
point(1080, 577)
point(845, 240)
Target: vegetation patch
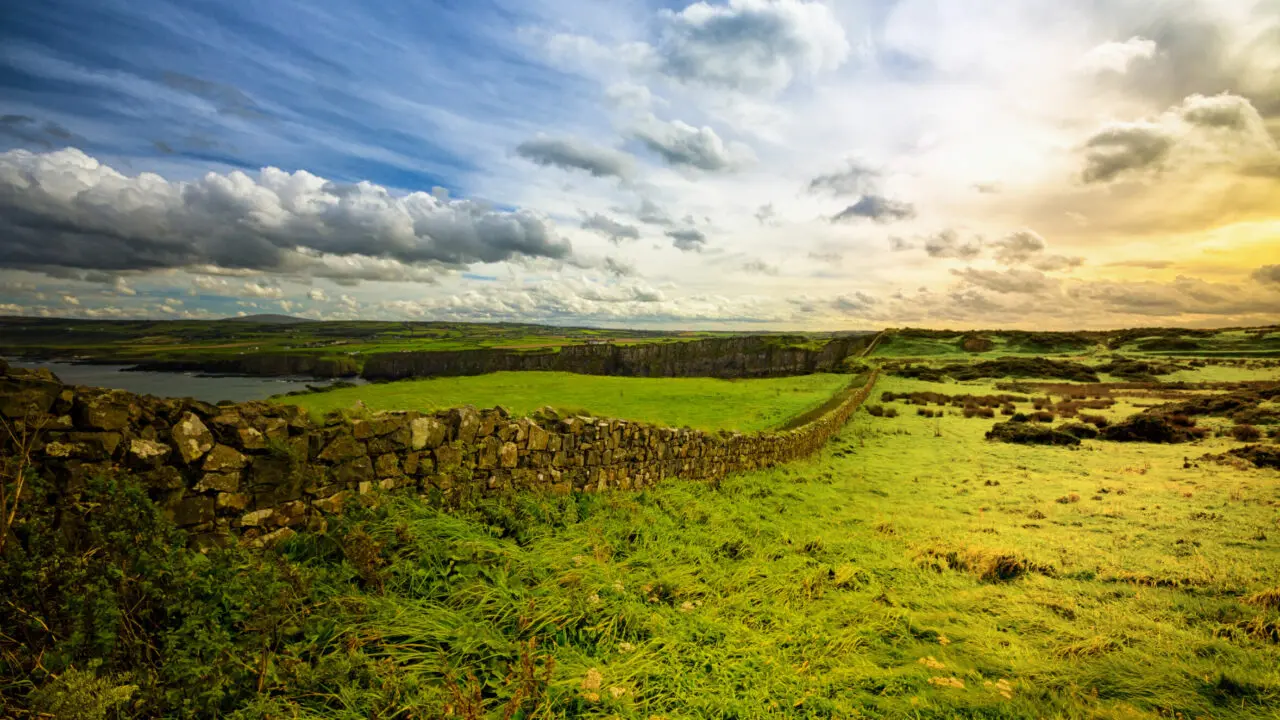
point(1151, 428)
point(1014, 367)
point(1027, 433)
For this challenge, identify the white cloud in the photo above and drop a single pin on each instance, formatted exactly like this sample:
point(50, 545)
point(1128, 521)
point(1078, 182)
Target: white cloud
point(1116, 57)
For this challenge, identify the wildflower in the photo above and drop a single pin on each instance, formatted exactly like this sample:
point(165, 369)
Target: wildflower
point(952, 682)
point(592, 680)
point(686, 606)
point(931, 663)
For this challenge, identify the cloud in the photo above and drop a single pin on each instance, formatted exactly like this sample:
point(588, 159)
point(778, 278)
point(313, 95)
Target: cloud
point(877, 208)
point(574, 154)
point(947, 244)
point(759, 267)
point(1018, 247)
point(64, 211)
point(1125, 147)
point(857, 179)
point(610, 228)
point(684, 145)
point(317, 295)
point(27, 129)
point(689, 239)
point(1267, 275)
point(829, 257)
point(1116, 57)
point(253, 289)
point(765, 214)
point(897, 244)
point(855, 303)
point(1200, 130)
point(621, 268)
point(1009, 281)
point(750, 45)
point(651, 213)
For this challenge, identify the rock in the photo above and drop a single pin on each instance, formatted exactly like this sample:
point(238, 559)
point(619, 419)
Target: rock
point(487, 458)
point(501, 412)
point(509, 455)
point(220, 481)
point(467, 420)
point(252, 438)
point(411, 461)
point(102, 445)
point(108, 411)
point(25, 393)
point(388, 465)
point(191, 437)
point(231, 501)
point(353, 471)
point(193, 510)
point(61, 449)
point(537, 438)
point(276, 429)
point(426, 432)
point(224, 458)
point(147, 453)
point(256, 518)
point(448, 458)
point(165, 477)
point(342, 448)
point(272, 539)
point(332, 504)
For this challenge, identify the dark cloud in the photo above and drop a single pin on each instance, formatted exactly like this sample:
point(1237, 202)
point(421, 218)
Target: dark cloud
point(574, 154)
point(877, 208)
point(689, 240)
point(610, 228)
point(684, 145)
point(750, 45)
point(30, 131)
point(1118, 149)
point(858, 179)
point(1267, 274)
point(1008, 281)
point(66, 211)
point(1018, 247)
point(621, 268)
point(765, 214)
point(226, 98)
point(1145, 264)
point(947, 244)
point(653, 214)
point(1230, 112)
point(828, 257)
point(897, 244)
point(854, 303)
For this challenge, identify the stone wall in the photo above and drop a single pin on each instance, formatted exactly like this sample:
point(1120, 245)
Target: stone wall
point(745, 356)
point(261, 471)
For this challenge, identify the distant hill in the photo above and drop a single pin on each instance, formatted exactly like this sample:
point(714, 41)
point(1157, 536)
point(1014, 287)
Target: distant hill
point(269, 318)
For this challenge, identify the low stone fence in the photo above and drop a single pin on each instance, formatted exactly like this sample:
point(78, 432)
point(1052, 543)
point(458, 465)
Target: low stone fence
point(259, 470)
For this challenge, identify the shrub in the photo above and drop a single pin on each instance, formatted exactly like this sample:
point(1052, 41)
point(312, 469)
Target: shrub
point(1098, 421)
point(1029, 434)
point(891, 412)
point(1080, 430)
point(1148, 428)
point(1246, 433)
point(1042, 416)
point(874, 410)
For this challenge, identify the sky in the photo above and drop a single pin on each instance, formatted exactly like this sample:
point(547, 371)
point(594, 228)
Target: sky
point(739, 164)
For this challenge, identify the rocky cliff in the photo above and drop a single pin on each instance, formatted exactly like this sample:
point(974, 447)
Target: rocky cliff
point(745, 356)
point(258, 471)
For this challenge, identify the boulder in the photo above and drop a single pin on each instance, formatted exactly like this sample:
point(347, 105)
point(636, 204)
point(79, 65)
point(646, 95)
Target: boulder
point(467, 421)
point(106, 411)
point(537, 438)
point(193, 510)
point(251, 438)
point(426, 432)
point(191, 437)
point(388, 465)
point(25, 393)
point(147, 453)
point(342, 448)
point(509, 455)
point(231, 501)
point(224, 458)
point(219, 481)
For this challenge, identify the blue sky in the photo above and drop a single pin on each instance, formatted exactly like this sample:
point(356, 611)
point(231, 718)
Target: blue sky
point(779, 163)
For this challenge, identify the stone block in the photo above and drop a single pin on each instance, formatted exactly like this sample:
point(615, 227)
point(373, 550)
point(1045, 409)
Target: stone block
point(537, 438)
point(191, 437)
point(509, 455)
point(224, 458)
point(388, 465)
point(219, 481)
point(342, 448)
point(147, 453)
point(251, 438)
point(231, 501)
point(193, 510)
point(426, 433)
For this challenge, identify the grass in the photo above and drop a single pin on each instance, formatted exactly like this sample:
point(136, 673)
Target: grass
point(703, 403)
point(912, 570)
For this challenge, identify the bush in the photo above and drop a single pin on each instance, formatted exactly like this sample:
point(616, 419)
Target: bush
point(1043, 416)
point(1029, 434)
point(1150, 428)
point(1246, 433)
point(1080, 430)
point(1098, 421)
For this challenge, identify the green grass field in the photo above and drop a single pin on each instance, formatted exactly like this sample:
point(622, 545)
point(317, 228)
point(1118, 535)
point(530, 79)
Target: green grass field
point(912, 570)
point(703, 403)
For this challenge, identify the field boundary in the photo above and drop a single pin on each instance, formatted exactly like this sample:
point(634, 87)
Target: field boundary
point(260, 471)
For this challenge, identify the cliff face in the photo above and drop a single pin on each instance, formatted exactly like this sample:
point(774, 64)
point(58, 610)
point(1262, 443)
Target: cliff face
point(273, 365)
point(256, 471)
point(734, 357)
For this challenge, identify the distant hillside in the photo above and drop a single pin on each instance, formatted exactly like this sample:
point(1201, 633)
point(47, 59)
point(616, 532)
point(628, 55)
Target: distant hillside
point(269, 318)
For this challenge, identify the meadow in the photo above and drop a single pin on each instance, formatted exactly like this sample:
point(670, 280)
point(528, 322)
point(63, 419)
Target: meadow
point(701, 403)
point(911, 569)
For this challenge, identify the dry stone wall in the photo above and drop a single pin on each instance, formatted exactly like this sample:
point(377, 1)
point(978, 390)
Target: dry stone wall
point(260, 472)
